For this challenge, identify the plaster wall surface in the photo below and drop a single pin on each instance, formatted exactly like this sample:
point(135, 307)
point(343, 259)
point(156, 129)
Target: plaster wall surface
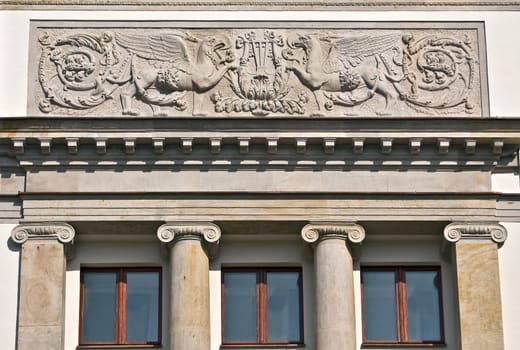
point(505, 183)
point(9, 260)
point(510, 285)
point(502, 72)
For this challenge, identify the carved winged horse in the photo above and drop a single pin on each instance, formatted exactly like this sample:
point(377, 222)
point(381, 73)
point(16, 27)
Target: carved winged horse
point(177, 72)
point(330, 65)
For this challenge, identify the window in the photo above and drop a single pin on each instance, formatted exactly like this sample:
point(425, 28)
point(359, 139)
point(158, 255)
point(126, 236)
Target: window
point(262, 306)
point(402, 305)
point(120, 306)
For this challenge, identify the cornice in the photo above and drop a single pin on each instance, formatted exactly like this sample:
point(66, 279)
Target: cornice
point(245, 5)
point(455, 232)
point(64, 233)
point(347, 231)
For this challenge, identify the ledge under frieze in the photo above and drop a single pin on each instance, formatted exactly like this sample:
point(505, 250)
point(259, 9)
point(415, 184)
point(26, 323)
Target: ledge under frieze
point(245, 5)
point(258, 69)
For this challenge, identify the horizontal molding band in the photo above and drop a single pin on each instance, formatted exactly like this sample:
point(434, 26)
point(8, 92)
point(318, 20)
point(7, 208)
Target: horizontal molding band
point(257, 5)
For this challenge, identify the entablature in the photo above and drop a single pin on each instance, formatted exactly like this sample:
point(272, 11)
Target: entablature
point(278, 143)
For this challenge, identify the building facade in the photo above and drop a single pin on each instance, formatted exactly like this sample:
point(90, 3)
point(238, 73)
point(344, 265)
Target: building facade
point(269, 179)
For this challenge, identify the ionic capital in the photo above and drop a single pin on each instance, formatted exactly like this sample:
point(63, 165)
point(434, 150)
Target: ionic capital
point(351, 232)
point(64, 233)
point(456, 231)
point(174, 231)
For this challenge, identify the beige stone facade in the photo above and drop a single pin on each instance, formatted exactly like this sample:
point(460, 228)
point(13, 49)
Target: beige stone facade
point(202, 149)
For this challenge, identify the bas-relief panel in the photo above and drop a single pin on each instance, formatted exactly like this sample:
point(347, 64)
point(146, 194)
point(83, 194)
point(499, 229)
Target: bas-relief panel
point(258, 69)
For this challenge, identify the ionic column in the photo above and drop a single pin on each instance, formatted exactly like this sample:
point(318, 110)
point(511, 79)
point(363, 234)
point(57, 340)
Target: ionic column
point(190, 245)
point(41, 308)
point(478, 283)
point(334, 283)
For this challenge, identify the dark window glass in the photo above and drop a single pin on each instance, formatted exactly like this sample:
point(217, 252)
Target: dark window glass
point(142, 307)
point(262, 306)
point(120, 306)
point(422, 301)
point(283, 307)
point(99, 307)
point(240, 307)
point(379, 305)
point(402, 305)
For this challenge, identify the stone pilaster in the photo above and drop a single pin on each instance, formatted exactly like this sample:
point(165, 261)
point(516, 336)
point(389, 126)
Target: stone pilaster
point(478, 283)
point(191, 245)
point(335, 310)
point(41, 310)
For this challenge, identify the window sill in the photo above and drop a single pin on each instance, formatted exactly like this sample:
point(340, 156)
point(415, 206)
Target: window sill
point(262, 346)
point(114, 346)
point(402, 345)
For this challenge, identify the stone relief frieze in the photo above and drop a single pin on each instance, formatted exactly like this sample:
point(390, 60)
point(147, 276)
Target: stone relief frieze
point(258, 72)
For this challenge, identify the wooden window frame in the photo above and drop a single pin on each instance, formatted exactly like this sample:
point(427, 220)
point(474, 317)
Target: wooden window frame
point(261, 306)
point(401, 307)
point(120, 319)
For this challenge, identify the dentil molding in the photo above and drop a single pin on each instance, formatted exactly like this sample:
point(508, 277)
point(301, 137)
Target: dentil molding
point(64, 233)
point(455, 232)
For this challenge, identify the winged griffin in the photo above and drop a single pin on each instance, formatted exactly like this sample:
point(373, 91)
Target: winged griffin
point(336, 68)
point(170, 71)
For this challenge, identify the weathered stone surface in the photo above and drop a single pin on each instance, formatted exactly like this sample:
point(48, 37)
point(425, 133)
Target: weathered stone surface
point(342, 70)
point(189, 318)
point(480, 307)
point(335, 315)
point(189, 290)
point(41, 306)
point(40, 337)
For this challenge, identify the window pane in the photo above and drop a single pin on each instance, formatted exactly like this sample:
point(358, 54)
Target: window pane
point(99, 307)
point(422, 299)
point(379, 307)
point(239, 307)
point(283, 307)
point(142, 307)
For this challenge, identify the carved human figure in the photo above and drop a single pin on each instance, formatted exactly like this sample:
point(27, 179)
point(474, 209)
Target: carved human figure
point(177, 72)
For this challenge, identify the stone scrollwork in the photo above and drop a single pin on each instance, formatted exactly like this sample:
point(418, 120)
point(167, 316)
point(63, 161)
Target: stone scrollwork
point(64, 233)
point(258, 72)
point(352, 232)
point(174, 231)
point(454, 232)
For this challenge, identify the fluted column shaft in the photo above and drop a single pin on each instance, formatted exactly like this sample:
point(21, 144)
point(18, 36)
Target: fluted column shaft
point(41, 310)
point(189, 289)
point(478, 283)
point(335, 307)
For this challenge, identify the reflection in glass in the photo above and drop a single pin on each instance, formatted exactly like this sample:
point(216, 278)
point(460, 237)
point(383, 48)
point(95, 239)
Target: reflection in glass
point(283, 307)
point(422, 299)
point(99, 307)
point(142, 307)
point(240, 307)
point(379, 306)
